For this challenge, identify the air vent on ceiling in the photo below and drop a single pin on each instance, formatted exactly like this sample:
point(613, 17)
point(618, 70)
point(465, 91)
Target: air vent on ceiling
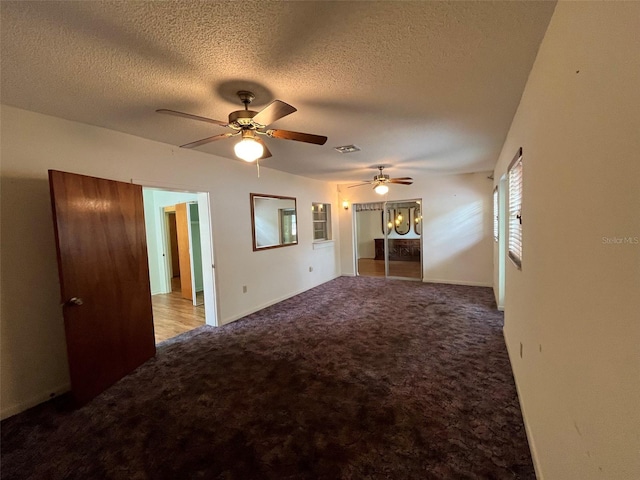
point(347, 149)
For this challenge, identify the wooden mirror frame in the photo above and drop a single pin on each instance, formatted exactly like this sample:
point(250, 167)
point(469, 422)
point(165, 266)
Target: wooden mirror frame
point(280, 230)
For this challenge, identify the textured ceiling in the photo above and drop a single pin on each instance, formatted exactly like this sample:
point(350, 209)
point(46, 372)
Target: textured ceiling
point(423, 87)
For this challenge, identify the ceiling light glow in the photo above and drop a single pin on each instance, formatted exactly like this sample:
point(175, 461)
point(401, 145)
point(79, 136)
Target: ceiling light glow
point(381, 189)
point(248, 149)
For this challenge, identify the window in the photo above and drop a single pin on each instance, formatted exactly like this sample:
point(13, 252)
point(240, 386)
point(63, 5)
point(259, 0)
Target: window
point(321, 221)
point(515, 209)
point(495, 214)
point(288, 226)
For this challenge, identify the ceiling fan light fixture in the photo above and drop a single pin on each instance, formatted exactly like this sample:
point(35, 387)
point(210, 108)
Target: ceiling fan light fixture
point(381, 189)
point(248, 149)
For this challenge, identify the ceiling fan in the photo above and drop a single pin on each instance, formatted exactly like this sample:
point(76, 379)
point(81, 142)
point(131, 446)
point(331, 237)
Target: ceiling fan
point(381, 182)
point(249, 125)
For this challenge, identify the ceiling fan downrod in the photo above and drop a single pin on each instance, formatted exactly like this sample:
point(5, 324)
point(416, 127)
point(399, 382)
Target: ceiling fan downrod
point(246, 98)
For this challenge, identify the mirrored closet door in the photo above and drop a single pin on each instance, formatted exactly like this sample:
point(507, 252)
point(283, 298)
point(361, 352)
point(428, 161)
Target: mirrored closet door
point(388, 239)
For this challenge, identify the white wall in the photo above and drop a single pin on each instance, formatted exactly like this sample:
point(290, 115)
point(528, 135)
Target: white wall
point(33, 358)
point(457, 226)
point(575, 305)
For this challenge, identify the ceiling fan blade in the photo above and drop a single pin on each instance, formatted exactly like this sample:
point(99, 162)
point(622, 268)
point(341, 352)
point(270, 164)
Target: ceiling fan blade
point(402, 178)
point(400, 182)
point(272, 112)
point(359, 184)
point(266, 153)
point(197, 143)
point(297, 136)
point(193, 117)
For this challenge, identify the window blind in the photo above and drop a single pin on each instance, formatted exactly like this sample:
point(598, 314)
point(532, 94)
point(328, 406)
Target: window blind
point(515, 209)
point(495, 214)
point(367, 207)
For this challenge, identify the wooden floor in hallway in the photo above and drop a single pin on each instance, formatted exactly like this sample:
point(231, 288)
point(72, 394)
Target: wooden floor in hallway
point(173, 315)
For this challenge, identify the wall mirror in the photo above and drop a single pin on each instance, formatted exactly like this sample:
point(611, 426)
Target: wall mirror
point(401, 221)
point(273, 221)
point(417, 221)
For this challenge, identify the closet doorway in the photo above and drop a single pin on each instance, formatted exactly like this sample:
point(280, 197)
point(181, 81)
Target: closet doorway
point(180, 261)
point(184, 252)
point(389, 239)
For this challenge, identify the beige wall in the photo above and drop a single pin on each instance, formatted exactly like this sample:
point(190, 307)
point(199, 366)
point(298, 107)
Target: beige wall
point(33, 356)
point(575, 305)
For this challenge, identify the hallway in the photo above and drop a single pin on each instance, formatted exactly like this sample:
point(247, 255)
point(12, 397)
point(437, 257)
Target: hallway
point(173, 315)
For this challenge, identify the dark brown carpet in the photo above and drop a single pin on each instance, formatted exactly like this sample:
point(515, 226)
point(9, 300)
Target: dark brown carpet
point(360, 378)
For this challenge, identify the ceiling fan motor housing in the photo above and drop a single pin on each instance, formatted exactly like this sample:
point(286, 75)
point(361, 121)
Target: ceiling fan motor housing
point(242, 118)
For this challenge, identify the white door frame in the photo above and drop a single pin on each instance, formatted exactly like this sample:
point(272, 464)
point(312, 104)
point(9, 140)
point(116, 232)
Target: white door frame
point(208, 264)
point(206, 243)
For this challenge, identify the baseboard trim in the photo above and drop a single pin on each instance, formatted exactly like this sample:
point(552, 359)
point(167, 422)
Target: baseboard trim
point(532, 443)
point(270, 302)
point(457, 282)
point(33, 401)
point(499, 306)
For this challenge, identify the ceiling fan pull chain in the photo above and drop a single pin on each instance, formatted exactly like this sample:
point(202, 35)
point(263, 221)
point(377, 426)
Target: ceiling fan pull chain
point(258, 167)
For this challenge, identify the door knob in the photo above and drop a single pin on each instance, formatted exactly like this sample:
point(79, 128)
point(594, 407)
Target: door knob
point(73, 301)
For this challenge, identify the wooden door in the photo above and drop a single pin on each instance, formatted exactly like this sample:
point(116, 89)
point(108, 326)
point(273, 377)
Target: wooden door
point(104, 279)
point(173, 244)
point(184, 250)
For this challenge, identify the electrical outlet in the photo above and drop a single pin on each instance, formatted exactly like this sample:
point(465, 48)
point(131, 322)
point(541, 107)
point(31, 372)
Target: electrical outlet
point(244, 289)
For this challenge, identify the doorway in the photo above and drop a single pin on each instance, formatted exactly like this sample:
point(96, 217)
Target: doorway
point(180, 260)
point(174, 257)
point(184, 251)
point(389, 239)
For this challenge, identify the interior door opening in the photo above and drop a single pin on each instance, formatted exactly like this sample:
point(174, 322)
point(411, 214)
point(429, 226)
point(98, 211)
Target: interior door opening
point(180, 261)
point(389, 239)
